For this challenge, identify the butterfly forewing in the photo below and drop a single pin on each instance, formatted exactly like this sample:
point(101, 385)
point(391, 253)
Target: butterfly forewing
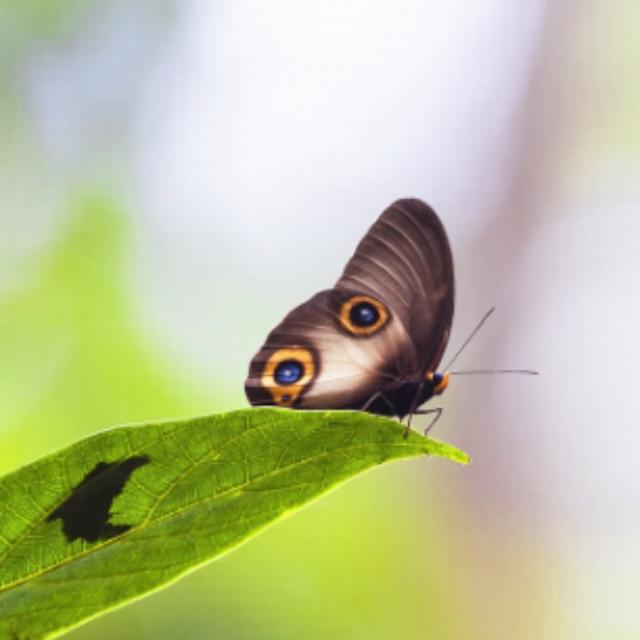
point(405, 259)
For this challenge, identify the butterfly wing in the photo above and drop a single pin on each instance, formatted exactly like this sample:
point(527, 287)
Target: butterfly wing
point(386, 320)
point(338, 369)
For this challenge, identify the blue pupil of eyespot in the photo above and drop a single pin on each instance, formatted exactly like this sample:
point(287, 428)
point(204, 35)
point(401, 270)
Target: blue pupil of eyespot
point(363, 314)
point(437, 379)
point(288, 372)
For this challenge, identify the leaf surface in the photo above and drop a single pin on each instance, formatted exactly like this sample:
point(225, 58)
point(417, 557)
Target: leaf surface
point(130, 509)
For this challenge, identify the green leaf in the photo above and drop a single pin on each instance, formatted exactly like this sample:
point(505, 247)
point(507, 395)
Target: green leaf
point(130, 509)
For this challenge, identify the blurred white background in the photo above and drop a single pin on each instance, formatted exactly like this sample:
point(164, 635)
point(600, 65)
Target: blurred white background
point(254, 143)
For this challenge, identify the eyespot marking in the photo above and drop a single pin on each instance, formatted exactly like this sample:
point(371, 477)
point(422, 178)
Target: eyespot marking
point(363, 315)
point(287, 373)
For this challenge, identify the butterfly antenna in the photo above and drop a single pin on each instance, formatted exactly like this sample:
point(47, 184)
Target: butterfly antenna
point(473, 372)
point(470, 338)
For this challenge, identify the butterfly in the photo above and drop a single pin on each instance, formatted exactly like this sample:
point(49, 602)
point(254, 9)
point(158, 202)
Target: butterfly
point(374, 341)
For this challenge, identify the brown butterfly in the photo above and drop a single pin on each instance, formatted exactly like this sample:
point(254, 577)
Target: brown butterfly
point(374, 341)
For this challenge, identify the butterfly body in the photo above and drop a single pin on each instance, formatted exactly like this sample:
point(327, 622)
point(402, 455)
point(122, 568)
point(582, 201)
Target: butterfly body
point(373, 341)
point(400, 400)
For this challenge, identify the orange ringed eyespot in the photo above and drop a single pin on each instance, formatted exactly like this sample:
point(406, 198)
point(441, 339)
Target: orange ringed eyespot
point(286, 374)
point(363, 315)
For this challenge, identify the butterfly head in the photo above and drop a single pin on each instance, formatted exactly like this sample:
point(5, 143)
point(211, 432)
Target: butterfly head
point(438, 381)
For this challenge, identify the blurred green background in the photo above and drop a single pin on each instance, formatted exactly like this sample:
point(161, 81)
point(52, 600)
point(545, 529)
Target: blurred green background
point(175, 176)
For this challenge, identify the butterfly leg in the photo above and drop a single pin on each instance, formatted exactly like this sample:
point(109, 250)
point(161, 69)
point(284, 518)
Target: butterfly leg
point(423, 412)
point(374, 397)
point(413, 409)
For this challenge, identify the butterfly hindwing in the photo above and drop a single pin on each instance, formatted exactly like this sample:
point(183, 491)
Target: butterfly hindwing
point(340, 369)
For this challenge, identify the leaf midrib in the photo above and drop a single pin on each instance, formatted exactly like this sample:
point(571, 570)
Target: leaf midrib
point(179, 512)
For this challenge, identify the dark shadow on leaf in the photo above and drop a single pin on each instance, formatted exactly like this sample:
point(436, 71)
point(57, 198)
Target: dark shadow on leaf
point(86, 512)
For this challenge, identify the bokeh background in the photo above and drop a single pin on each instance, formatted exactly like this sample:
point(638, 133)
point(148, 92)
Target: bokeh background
point(176, 175)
